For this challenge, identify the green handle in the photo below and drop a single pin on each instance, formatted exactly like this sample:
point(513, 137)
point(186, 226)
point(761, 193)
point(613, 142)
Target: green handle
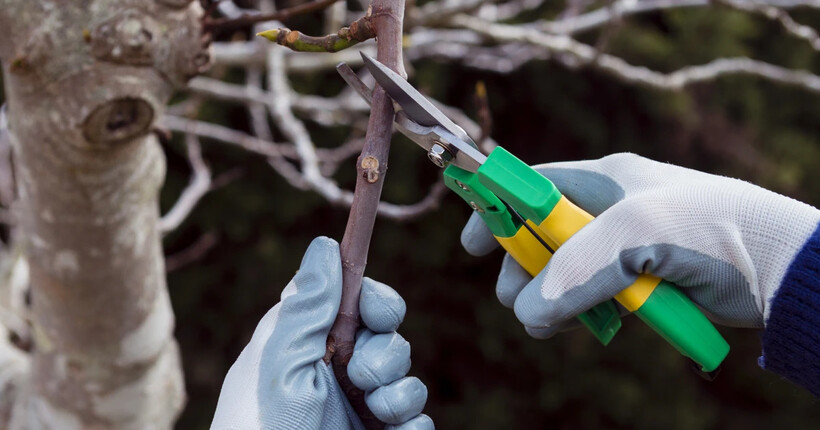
point(668, 311)
point(672, 315)
point(603, 320)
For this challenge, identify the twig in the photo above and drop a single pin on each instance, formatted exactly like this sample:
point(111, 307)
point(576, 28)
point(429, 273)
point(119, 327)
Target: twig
point(247, 20)
point(581, 54)
point(483, 110)
point(199, 185)
point(775, 14)
point(358, 31)
point(601, 16)
point(435, 12)
point(609, 30)
point(294, 129)
point(227, 135)
point(227, 177)
point(193, 253)
point(371, 167)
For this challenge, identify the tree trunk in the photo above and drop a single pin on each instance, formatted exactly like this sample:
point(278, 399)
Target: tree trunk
point(85, 82)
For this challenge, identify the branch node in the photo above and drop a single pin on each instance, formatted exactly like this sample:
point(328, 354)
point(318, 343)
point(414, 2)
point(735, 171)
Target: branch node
point(370, 169)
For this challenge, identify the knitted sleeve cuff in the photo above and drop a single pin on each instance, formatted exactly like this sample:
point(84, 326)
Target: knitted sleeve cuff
point(791, 341)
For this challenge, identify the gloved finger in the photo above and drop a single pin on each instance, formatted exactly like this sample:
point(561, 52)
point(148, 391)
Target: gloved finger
point(477, 238)
point(588, 269)
point(381, 307)
point(378, 359)
point(421, 422)
point(592, 190)
point(398, 401)
point(511, 280)
point(306, 312)
point(548, 332)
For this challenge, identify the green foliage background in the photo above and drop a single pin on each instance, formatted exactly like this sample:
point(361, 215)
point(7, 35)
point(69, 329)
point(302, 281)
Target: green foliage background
point(481, 369)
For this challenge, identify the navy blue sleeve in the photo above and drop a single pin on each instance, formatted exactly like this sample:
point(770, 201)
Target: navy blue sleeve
point(791, 341)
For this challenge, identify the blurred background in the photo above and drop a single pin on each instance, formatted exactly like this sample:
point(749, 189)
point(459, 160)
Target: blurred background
point(481, 369)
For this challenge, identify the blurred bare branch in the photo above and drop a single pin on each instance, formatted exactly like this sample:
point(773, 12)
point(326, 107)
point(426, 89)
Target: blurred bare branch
point(598, 17)
point(471, 33)
point(579, 54)
point(191, 254)
point(199, 185)
point(773, 13)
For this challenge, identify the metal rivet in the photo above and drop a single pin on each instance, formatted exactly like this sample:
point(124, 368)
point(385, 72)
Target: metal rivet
point(462, 186)
point(476, 207)
point(439, 155)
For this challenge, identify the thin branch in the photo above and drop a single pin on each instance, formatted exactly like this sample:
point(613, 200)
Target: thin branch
point(579, 54)
point(290, 173)
point(199, 185)
point(429, 203)
point(775, 14)
point(248, 20)
point(230, 10)
point(227, 135)
point(294, 129)
point(482, 105)
point(508, 10)
point(388, 17)
point(435, 12)
point(259, 124)
point(599, 17)
point(358, 31)
point(191, 254)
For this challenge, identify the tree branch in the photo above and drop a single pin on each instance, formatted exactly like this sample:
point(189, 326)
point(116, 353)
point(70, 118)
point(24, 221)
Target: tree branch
point(247, 20)
point(601, 16)
point(371, 166)
point(358, 31)
point(193, 253)
point(196, 189)
point(578, 54)
point(292, 175)
point(775, 14)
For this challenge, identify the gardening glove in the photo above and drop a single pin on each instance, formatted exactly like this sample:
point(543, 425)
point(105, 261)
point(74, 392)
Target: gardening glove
point(726, 243)
point(279, 380)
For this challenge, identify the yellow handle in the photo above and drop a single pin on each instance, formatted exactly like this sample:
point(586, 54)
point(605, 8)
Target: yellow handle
point(526, 249)
point(564, 221)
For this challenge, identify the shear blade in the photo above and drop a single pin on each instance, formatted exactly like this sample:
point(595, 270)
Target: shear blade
point(414, 104)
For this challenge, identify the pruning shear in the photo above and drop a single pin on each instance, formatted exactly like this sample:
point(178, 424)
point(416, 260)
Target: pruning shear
point(530, 218)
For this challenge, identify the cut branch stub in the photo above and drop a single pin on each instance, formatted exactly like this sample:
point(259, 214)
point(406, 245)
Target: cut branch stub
point(117, 121)
point(126, 38)
point(370, 169)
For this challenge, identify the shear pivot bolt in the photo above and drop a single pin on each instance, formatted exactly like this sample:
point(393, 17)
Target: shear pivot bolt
point(439, 155)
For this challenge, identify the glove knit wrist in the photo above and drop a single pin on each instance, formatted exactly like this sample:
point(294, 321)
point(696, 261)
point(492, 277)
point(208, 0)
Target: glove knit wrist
point(791, 340)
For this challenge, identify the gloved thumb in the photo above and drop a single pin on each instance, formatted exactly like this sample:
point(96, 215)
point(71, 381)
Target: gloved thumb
point(590, 268)
point(307, 310)
point(280, 366)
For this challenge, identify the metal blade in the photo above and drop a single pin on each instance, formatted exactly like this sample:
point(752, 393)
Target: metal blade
point(353, 80)
point(414, 104)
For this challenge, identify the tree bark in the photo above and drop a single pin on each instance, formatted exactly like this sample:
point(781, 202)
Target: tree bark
point(85, 83)
point(387, 19)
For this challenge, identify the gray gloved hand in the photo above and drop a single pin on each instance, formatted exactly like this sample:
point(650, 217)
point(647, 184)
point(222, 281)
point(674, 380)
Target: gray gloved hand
point(726, 243)
point(279, 380)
